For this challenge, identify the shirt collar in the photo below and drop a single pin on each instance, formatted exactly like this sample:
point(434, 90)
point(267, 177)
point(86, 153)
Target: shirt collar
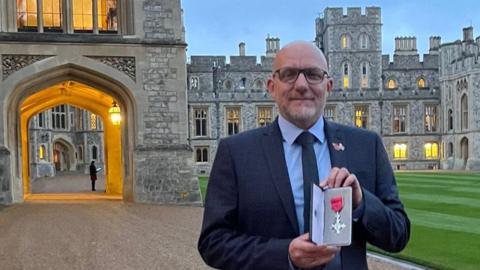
point(290, 132)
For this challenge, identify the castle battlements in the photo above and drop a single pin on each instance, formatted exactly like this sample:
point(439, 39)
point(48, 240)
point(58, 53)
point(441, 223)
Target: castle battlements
point(371, 15)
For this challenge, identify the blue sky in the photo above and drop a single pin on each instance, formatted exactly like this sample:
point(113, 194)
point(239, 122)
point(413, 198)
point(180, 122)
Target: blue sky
point(216, 27)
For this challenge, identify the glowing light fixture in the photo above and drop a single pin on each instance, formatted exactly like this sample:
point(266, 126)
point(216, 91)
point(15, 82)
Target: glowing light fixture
point(115, 115)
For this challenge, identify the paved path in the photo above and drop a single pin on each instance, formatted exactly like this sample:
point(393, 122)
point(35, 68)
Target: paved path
point(67, 182)
point(104, 235)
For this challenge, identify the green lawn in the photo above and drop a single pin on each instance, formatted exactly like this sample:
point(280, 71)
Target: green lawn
point(444, 209)
point(203, 181)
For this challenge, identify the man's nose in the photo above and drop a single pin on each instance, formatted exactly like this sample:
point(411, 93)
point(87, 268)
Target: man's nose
point(301, 84)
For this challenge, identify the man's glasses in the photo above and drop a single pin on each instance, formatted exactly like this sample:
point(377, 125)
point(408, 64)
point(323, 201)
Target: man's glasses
point(312, 75)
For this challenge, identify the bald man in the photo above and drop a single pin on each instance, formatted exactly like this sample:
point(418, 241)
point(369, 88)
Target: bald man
point(254, 208)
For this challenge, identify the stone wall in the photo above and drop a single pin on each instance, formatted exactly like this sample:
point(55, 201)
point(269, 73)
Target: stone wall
point(5, 178)
point(166, 175)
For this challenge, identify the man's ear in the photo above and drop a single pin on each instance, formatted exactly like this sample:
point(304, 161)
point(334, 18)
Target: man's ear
point(329, 86)
point(270, 84)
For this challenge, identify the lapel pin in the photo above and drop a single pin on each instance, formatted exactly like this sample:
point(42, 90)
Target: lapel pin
point(338, 146)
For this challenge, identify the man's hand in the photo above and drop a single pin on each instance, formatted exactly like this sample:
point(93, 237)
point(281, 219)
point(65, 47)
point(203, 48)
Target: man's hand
point(305, 254)
point(343, 178)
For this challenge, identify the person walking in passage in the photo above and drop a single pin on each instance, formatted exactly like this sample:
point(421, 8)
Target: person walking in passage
point(254, 208)
point(93, 174)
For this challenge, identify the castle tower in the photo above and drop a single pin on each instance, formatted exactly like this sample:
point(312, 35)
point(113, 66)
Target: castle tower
point(352, 44)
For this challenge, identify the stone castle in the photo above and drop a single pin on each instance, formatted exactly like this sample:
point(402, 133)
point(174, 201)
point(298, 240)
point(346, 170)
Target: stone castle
point(427, 112)
point(65, 64)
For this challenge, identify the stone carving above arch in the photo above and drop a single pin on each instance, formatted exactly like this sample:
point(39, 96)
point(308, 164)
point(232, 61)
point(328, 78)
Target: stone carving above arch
point(125, 64)
point(15, 62)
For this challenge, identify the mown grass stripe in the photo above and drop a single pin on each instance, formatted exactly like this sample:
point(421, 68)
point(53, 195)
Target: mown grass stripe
point(442, 199)
point(444, 221)
point(435, 181)
point(474, 178)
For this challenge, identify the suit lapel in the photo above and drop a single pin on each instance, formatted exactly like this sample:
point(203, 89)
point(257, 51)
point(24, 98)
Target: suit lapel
point(272, 143)
point(336, 144)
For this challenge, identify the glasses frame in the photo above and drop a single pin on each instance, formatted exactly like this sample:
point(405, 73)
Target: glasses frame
point(301, 70)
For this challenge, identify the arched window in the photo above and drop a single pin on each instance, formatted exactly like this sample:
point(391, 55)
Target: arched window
point(363, 41)
point(391, 84)
point(464, 111)
point(243, 83)
point(431, 150)
point(421, 83)
point(227, 84)
point(345, 41)
point(93, 121)
point(450, 149)
point(400, 151)
point(41, 152)
point(346, 75)
point(259, 85)
point(80, 153)
point(364, 76)
point(450, 119)
point(94, 152)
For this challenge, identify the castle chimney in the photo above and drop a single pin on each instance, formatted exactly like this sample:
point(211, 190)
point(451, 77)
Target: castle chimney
point(241, 49)
point(405, 45)
point(273, 45)
point(468, 34)
point(435, 42)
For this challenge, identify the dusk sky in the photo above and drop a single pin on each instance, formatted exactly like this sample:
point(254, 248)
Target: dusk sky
point(216, 27)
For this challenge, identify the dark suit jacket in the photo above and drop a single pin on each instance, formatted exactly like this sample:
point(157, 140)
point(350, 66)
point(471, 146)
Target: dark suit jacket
point(250, 219)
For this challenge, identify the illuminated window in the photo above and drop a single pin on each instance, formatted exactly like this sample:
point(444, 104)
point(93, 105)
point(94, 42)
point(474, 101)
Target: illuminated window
point(363, 41)
point(364, 77)
point(233, 120)
point(329, 113)
point(400, 151)
point(421, 83)
point(50, 15)
point(361, 116)
point(200, 120)
point(59, 117)
point(344, 41)
point(201, 154)
point(464, 112)
point(264, 116)
point(399, 118)
point(346, 76)
point(431, 150)
point(391, 84)
point(41, 152)
point(83, 15)
point(93, 121)
point(26, 15)
point(107, 15)
point(430, 119)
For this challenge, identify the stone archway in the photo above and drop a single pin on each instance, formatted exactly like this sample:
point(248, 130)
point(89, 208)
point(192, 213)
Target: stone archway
point(63, 152)
point(38, 92)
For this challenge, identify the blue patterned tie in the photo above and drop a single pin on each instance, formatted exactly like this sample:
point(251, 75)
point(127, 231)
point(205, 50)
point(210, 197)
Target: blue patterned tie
point(310, 173)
